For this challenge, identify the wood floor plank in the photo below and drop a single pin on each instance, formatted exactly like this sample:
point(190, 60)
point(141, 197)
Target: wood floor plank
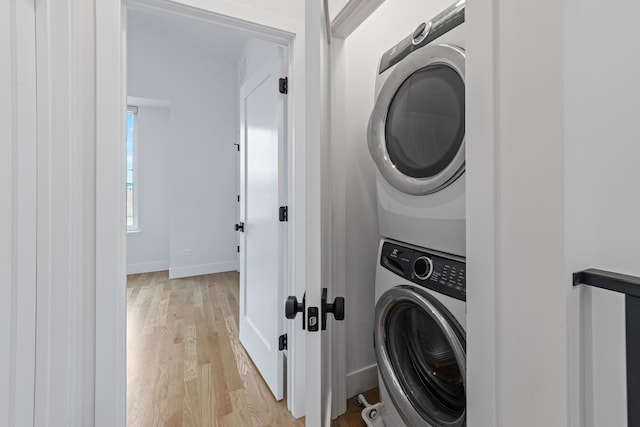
point(206, 397)
point(222, 395)
point(190, 352)
point(191, 405)
point(173, 411)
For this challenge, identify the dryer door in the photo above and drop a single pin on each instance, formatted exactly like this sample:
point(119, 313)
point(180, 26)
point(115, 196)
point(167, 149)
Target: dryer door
point(421, 353)
point(416, 131)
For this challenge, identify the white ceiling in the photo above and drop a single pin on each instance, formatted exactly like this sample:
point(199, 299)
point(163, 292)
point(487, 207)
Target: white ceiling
point(217, 39)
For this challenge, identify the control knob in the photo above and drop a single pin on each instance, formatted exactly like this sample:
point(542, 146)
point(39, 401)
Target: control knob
point(423, 267)
point(421, 32)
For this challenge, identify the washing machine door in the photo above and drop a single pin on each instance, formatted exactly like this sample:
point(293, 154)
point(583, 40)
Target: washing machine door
point(421, 353)
point(416, 132)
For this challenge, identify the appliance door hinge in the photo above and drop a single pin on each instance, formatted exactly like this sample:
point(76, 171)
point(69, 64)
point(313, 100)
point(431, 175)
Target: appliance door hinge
point(283, 84)
point(284, 213)
point(282, 342)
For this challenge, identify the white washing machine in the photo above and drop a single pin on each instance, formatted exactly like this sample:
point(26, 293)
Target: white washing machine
point(420, 339)
point(416, 135)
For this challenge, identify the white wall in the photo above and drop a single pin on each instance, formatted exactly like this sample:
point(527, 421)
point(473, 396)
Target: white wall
point(602, 177)
point(202, 166)
point(361, 52)
point(148, 249)
point(518, 291)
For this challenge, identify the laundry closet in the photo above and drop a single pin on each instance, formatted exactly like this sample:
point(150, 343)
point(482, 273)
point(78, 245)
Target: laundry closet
point(529, 224)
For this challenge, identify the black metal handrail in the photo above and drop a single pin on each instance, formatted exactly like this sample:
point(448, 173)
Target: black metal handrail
point(623, 283)
point(630, 287)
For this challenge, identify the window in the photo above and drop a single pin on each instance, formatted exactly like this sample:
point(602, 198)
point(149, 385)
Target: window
point(132, 189)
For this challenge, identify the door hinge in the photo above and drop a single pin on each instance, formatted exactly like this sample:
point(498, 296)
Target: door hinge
point(238, 197)
point(283, 84)
point(237, 145)
point(238, 249)
point(282, 342)
point(284, 213)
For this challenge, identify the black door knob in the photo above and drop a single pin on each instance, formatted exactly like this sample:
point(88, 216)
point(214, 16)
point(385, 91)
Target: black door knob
point(240, 227)
point(292, 307)
point(336, 308)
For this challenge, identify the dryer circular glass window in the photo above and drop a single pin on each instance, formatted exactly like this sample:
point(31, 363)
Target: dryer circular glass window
point(425, 123)
point(416, 132)
point(421, 356)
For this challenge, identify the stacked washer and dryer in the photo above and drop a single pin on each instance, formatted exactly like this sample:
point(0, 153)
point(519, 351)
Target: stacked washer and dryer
point(416, 138)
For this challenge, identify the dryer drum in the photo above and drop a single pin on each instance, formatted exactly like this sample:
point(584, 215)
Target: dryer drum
point(421, 355)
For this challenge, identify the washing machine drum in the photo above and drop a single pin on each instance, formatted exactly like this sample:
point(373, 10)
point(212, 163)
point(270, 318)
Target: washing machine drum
point(421, 353)
point(416, 131)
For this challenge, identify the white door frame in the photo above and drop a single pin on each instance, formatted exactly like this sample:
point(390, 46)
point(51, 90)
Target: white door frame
point(18, 175)
point(110, 378)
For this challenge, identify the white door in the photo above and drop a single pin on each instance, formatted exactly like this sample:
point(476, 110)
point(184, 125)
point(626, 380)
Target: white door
point(261, 241)
point(318, 215)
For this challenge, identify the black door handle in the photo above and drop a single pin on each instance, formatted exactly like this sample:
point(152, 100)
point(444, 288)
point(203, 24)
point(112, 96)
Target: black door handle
point(240, 227)
point(336, 308)
point(292, 307)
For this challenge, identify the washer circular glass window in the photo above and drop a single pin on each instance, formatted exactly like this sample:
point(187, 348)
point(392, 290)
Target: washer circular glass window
point(416, 131)
point(421, 356)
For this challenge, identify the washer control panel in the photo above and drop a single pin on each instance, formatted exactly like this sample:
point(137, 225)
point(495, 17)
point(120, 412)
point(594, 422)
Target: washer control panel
point(432, 270)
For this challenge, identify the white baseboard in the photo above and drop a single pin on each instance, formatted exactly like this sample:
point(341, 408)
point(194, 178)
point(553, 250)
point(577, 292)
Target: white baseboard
point(200, 269)
point(362, 380)
point(147, 267)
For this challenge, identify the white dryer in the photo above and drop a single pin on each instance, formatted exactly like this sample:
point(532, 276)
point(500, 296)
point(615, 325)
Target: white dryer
point(420, 339)
point(416, 135)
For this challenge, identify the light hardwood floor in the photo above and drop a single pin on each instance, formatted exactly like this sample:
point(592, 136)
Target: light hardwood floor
point(185, 363)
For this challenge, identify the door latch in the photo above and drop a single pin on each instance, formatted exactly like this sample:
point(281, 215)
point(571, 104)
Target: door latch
point(312, 319)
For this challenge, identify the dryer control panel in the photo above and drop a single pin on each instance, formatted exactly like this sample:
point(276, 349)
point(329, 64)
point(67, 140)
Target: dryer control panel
point(433, 270)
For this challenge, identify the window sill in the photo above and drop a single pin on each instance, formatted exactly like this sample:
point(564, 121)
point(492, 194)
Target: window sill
point(133, 231)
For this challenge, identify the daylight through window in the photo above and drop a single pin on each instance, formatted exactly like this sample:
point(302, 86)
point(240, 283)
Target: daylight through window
point(132, 205)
